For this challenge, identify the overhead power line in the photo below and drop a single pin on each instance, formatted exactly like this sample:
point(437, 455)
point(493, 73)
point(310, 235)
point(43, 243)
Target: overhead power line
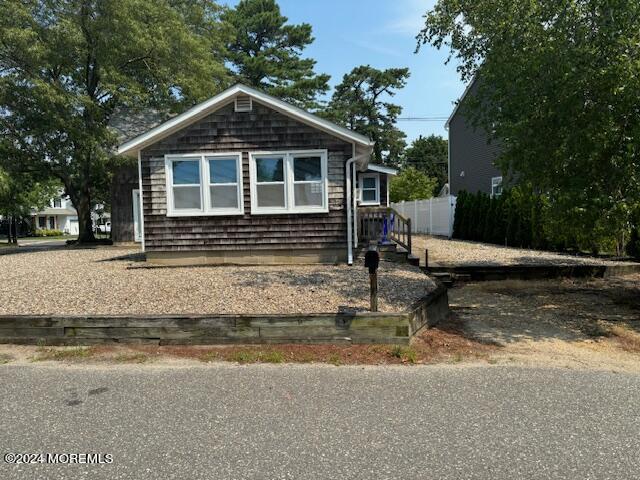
point(422, 119)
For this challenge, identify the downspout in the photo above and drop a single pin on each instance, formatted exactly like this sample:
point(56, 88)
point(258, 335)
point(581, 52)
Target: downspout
point(355, 206)
point(348, 168)
point(140, 205)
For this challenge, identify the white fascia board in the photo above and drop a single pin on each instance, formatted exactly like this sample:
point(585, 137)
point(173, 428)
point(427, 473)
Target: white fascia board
point(382, 169)
point(203, 109)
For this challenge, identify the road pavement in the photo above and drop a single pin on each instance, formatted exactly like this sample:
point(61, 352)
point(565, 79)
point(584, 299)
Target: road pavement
point(225, 421)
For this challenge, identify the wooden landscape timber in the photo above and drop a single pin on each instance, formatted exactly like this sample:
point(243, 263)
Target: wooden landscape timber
point(347, 327)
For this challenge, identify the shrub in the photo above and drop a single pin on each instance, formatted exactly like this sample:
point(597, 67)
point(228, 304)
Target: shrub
point(48, 233)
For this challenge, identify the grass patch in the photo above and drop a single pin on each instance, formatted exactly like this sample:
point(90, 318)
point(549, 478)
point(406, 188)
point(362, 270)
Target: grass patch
point(137, 357)
point(243, 356)
point(250, 356)
point(334, 359)
point(5, 358)
point(209, 357)
point(405, 354)
point(62, 354)
point(274, 356)
point(457, 357)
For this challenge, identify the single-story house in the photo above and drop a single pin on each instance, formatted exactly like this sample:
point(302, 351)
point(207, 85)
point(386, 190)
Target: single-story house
point(471, 152)
point(247, 178)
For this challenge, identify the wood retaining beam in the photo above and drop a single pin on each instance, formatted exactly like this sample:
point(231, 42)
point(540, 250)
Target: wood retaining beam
point(353, 328)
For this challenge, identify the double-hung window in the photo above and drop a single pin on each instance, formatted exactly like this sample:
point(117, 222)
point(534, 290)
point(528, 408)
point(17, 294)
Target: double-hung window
point(208, 184)
point(370, 189)
point(289, 182)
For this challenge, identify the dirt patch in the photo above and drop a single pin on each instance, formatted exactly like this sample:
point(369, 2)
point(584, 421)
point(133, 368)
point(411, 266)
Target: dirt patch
point(591, 323)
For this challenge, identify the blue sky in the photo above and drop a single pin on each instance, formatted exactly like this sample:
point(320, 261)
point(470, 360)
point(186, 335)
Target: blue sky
point(380, 33)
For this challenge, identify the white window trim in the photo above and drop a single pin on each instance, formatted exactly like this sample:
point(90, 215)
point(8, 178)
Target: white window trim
point(495, 182)
point(205, 210)
point(375, 176)
point(289, 197)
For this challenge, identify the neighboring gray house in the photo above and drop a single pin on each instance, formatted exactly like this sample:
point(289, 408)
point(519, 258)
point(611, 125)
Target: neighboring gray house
point(471, 156)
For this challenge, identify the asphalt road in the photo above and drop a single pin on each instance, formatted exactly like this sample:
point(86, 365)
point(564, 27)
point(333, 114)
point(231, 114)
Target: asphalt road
point(317, 422)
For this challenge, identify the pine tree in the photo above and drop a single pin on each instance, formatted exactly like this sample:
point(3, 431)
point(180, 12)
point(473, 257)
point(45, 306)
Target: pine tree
point(266, 53)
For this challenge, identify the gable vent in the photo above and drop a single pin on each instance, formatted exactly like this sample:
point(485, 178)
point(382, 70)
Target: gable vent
point(243, 103)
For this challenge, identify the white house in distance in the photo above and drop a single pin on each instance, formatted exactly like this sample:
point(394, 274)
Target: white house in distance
point(59, 215)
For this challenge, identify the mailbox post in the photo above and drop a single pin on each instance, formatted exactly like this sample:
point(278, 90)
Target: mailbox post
point(371, 261)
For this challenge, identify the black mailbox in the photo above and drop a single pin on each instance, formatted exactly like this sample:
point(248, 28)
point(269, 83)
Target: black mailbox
point(372, 260)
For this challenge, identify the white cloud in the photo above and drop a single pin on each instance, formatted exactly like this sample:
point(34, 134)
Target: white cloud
point(410, 17)
point(377, 48)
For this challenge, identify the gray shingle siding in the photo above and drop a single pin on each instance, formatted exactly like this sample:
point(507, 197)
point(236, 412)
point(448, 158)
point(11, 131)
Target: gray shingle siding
point(470, 152)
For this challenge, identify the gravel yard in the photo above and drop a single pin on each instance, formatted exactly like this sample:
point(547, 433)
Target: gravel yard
point(101, 281)
point(443, 252)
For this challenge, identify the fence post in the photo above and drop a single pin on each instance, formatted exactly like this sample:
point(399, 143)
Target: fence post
point(409, 234)
point(431, 216)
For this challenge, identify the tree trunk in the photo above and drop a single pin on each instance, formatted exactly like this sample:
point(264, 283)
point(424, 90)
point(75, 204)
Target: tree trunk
point(82, 203)
point(13, 230)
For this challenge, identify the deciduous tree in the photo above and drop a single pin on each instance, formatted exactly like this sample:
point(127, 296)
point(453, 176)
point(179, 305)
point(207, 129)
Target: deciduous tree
point(411, 184)
point(558, 85)
point(429, 155)
point(68, 65)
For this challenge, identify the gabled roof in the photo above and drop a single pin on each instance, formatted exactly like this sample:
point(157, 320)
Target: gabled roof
point(457, 107)
point(205, 108)
point(382, 169)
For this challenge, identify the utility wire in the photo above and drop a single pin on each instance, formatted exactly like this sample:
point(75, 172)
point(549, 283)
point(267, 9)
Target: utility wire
point(422, 119)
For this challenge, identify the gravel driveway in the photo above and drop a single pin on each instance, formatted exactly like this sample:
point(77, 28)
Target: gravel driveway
point(443, 252)
point(101, 281)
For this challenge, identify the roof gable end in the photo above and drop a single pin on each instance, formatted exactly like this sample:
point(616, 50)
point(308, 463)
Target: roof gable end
point(207, 107)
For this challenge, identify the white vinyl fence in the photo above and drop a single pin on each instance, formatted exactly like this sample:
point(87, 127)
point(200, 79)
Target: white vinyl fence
point(433, 216)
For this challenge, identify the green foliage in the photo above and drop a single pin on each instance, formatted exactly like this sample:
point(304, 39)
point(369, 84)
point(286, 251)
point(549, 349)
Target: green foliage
point(430, 155)
point(557, 84)
point(360, 102)
point(516, 218)
point(45, 232)
point(21, 192)
point(69, 66)
point(265, 52)
point(411, 184)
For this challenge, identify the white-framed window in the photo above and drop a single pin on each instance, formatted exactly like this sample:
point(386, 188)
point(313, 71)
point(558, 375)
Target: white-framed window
point(369, 189)
point(204, 184)
point(496, 186)
point(289, 182)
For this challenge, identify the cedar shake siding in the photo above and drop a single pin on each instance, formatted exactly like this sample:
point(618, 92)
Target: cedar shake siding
point(470, 152)
point(323, 235)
